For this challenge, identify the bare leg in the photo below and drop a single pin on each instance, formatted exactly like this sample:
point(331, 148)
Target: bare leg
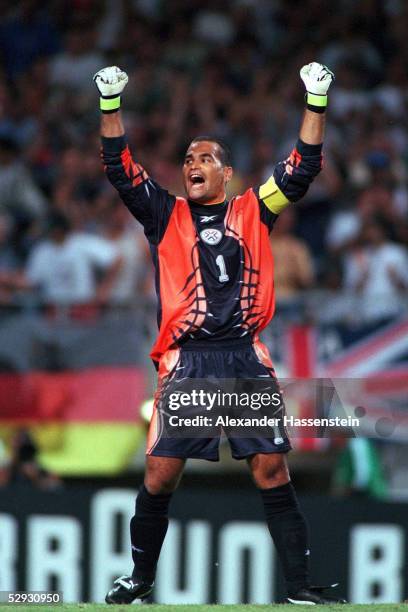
point(163, 474)
point(269, 471)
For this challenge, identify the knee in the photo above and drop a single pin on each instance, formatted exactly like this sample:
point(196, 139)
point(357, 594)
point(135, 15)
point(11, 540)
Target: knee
point(268, 474)
point(157, 486)
point(158, 483)
point(163, 474)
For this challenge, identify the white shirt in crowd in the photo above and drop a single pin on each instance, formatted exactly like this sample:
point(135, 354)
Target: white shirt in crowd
point(130, 247)
point(380, 295)
point(66, 273)
point(75, 70)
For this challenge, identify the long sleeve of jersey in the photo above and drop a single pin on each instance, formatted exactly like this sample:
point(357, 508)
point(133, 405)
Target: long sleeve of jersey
point(149, 203)
point(290, 180)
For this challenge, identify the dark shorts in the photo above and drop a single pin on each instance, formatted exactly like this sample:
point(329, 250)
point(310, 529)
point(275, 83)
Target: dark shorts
point(236, 360)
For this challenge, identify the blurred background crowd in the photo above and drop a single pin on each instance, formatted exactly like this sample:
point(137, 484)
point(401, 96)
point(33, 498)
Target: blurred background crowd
point(223, 67)
point(228, 68)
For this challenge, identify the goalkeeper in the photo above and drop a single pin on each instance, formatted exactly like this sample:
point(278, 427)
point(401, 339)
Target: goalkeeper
point(214, 281)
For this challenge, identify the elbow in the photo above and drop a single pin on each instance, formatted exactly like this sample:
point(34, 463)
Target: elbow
point(294, 181)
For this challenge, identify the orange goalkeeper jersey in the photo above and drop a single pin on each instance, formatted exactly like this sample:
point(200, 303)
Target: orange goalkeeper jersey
point(214, 265)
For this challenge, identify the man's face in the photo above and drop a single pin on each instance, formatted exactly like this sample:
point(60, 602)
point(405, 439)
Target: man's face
point(204, 176)
point(58, 234)
point(373, 234)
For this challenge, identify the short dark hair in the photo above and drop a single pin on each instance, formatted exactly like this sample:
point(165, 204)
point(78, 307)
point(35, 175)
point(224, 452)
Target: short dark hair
point(225, 153)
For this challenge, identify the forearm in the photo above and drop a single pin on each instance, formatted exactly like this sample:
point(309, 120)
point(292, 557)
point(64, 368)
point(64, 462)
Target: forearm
point(294, 175)
point(312, 128)
point(112, 125)
point(16, 281)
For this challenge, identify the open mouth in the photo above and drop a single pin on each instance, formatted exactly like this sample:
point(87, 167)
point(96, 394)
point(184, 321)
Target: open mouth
point(197, 179)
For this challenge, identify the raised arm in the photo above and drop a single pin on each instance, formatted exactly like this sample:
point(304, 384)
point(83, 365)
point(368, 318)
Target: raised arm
point(317, 79)
point(112, 125)
point(312, 128)
point(291, 178)
point(145, 199)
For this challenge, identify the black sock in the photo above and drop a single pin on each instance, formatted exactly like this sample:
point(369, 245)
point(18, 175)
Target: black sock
point(288, 528)
point(147, 532)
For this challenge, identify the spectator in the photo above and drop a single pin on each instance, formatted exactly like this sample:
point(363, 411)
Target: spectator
point(74, 67)
point(343, 229)
point(127, 239)
point(64, 265)
point(377, 270)
point(293, 264)
point(358, 471)
point(18, 192)
point(24, 467)
point(9, 261)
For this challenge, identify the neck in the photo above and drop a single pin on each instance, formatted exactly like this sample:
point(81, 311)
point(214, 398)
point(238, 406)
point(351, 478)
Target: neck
point(204, 209)
point(213, 202)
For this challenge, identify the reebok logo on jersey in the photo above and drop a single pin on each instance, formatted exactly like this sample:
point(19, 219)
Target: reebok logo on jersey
point(211, 236)
point(207, 219)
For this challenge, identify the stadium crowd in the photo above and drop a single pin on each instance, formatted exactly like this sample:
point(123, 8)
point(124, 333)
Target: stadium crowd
point(228, 68)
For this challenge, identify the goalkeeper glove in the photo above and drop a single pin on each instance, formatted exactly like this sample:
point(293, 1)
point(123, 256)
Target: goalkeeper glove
point(317, 79)
point(110, 82)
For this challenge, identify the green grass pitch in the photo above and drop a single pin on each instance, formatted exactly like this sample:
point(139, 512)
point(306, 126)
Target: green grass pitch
point(207, 608)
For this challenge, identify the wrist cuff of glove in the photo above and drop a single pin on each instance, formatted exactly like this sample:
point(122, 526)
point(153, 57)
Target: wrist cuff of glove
point(315, 102)
point(109, 104)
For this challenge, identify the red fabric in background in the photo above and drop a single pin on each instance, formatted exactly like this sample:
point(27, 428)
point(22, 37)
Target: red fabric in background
point(96, 394)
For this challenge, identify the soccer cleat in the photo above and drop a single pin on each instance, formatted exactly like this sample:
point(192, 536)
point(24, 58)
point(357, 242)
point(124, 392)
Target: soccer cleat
point(126, 589)
point(313, 596)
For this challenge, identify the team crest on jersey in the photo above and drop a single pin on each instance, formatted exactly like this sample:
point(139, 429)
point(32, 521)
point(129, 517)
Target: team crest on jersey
point(211, 236)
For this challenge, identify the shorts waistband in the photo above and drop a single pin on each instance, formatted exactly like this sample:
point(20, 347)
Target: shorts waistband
point(217, 345)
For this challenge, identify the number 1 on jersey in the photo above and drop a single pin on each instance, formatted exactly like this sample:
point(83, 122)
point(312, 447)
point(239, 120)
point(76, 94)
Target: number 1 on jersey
point(223, 277)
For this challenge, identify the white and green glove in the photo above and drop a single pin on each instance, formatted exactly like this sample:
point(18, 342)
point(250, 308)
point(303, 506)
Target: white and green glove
point(110, 81)
point(317, 79)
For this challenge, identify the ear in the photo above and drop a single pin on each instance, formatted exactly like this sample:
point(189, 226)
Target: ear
point(228, 172)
